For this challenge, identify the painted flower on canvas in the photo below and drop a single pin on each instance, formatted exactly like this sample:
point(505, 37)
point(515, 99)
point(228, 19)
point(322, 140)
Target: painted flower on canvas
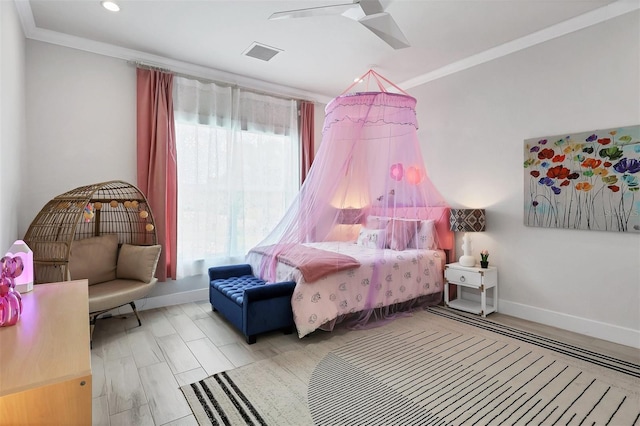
point(586, 180)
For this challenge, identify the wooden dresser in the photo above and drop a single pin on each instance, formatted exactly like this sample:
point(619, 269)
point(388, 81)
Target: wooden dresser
point(45, 359)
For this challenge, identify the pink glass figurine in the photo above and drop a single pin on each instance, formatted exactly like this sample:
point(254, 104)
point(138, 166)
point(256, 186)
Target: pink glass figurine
point(10, 300)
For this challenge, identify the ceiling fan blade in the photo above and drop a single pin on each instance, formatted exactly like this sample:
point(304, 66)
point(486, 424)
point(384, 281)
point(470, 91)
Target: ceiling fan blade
point(383, 25)
point(371, 7)
point(315, 11)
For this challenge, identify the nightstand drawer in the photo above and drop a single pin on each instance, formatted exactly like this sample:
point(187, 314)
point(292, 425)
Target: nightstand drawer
point(463, 277)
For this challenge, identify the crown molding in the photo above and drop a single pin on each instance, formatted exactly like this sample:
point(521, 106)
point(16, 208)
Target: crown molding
point(26, 17)
point(610, 11)
point(605, 13)
point(32, 32)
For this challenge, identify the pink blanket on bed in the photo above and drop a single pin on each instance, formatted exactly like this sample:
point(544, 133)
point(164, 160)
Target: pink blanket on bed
point(313, 263)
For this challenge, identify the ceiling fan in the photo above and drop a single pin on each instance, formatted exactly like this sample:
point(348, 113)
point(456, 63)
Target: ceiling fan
point(369, 13)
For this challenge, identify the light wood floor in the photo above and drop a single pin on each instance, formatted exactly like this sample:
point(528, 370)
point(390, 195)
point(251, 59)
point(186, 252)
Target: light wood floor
point(137, 370)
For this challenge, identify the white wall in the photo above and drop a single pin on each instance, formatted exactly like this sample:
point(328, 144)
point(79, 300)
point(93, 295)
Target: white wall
point(12, 123)
point(473, 125)
point(82, 122)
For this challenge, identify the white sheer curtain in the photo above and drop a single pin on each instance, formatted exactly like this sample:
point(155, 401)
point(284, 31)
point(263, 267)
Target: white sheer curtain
point(238, 170)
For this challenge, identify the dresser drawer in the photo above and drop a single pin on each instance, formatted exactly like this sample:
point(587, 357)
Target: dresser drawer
point(463, 277)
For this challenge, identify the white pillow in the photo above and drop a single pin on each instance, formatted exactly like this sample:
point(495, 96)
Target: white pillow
point(372, 238)
point(425, 238)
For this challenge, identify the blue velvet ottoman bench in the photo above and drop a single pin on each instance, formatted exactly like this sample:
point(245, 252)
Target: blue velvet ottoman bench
point(249, 303)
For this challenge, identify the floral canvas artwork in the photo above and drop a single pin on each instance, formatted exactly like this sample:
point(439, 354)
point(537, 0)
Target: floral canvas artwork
point(585, 180)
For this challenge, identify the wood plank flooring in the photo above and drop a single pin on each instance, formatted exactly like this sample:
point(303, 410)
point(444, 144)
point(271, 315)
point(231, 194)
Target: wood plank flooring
point(137, 371)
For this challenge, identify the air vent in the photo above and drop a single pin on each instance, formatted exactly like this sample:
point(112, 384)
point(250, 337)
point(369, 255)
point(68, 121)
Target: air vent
point(261, 51)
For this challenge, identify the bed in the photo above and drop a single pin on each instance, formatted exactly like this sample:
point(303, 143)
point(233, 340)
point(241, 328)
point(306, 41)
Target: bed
point(382, 276)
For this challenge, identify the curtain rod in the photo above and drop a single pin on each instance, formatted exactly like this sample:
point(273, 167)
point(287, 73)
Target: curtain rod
point(138, 64)
point(143, 65)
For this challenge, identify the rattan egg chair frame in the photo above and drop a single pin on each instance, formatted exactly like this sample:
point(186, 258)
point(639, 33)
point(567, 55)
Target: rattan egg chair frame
point(114, 207)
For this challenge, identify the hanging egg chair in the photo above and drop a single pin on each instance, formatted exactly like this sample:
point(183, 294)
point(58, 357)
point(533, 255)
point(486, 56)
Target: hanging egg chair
point(113, 207)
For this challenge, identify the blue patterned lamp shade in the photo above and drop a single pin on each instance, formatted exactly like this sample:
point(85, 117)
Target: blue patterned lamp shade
point(467, 220)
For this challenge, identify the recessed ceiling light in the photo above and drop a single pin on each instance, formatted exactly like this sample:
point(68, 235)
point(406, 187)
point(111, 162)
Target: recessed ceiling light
point(110, 5)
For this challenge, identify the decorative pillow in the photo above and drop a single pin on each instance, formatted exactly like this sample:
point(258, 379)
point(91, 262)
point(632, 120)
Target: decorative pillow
point(138, 262)
point(426, 237)
point(377, 222)
point(400, 232)
point(371, 238)
point(94, 259)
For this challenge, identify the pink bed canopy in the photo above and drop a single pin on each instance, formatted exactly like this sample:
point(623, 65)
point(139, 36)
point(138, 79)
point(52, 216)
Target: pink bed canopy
point(369, 166)
point(369, 162)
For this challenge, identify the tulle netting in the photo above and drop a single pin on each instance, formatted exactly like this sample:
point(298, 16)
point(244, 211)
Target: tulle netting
point(368, 172)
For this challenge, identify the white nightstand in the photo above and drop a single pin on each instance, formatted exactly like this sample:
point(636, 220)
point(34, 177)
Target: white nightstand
point(480, 279)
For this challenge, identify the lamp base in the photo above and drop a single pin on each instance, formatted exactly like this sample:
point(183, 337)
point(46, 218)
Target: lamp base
point(467, 261)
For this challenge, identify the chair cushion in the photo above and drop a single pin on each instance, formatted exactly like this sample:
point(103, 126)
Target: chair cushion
point(234, 287)
point(137, 262)
point(94, 258)
point(109, 295)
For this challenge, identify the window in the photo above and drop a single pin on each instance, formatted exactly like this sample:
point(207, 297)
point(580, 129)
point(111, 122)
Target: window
point(238, 171)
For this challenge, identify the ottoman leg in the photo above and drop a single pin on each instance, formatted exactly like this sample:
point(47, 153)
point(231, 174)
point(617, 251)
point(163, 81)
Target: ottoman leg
point(251, 339)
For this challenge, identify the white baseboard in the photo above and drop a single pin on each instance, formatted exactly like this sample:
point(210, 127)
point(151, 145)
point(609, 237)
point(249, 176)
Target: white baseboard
point(599, 330)
point(165, 300)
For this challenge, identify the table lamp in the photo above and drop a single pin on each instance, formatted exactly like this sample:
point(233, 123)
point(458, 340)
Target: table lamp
point(467, 220)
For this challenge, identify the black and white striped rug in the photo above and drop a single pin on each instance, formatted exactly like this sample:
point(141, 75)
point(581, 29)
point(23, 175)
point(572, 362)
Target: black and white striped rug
point(437, 367)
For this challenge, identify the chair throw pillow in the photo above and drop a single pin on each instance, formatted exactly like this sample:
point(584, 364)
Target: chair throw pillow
point(138, 262)
point(94, 258)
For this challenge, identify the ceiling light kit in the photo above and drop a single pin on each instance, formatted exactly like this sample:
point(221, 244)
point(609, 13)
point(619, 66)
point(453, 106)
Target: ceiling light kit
point(110, 6)
point(369, 13)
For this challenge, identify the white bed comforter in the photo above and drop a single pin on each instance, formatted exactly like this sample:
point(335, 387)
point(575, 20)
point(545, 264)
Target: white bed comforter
point(384, 278)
